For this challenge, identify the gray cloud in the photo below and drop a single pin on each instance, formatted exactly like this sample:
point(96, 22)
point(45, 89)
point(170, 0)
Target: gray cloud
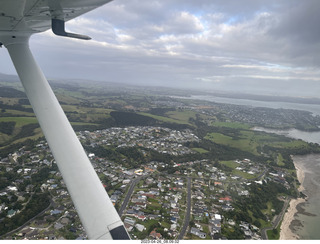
point(207, 43)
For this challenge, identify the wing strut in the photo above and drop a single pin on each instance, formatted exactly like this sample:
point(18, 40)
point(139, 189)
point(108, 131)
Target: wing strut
point(96, 211)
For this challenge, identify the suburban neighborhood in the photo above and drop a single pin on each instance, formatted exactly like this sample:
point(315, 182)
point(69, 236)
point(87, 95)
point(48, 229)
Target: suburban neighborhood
point(157, 205)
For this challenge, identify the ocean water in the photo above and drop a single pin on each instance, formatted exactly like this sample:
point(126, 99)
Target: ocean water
point(307, 220)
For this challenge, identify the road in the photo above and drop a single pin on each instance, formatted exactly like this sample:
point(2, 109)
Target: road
point(277, 221)
point(128, 196)
point(188, 210)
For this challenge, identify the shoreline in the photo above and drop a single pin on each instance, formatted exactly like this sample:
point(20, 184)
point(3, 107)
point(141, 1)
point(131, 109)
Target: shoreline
point(286, 233)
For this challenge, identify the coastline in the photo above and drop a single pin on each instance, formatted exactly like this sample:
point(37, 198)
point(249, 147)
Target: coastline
point(286, 233)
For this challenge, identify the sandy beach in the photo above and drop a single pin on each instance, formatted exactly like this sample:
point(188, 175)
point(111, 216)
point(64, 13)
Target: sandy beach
point(285, 231)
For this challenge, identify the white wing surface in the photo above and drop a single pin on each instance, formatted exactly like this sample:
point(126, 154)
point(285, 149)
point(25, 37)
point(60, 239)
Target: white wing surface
point(35, 15)
point(19, 19)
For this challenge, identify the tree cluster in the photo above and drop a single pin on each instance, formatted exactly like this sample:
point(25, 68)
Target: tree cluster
point(38, 203)
point(7, 127)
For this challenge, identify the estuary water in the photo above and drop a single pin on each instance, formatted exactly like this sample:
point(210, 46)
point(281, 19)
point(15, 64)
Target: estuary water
point(294, 133)
point(313, 108)
point(307, 219)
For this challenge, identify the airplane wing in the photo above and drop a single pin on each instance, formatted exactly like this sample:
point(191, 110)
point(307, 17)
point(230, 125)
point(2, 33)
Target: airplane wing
point(35, 15)
point(19, 19)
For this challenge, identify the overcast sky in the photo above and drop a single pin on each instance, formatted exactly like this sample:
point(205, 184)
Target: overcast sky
point(270, 46)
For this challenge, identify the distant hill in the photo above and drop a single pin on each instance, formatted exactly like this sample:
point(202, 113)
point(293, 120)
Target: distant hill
point(5, 77)
point(11, 92)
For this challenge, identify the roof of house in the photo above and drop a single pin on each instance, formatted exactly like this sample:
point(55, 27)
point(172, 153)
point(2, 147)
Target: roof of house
point(154, 234)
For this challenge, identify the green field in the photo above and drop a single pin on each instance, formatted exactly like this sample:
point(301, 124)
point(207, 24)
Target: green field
point(162, 118)
point(294, 144)
point(233, 125)
point(20, 121)
point(199, 150)
point(250, 141)
point(6, 139)
point(247, 142)
point(82, 123)
point(21, 130)
point(274, 234)
point(234, 165)
point(12, 112)
point(68, 97)
point(231, 164)
point(280, 160)
point(79, 109)
point(86, 114)
point(182, 116)
point(243, 174)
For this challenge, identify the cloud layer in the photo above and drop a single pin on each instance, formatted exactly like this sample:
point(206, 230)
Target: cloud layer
point(245, 45)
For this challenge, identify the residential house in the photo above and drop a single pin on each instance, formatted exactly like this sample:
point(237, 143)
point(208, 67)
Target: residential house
point(215, 229)
point(149, 180)
point(155, 235)
point(129, 221)
point(131, 212)
point(173, 227)
point(141, 217)
point(197, 232)
point(142, 205)
point(153, 216)
point(58, 226)
point(217, 217)
point(173, 219)
point(11, 213)
point(215, 222)
point(140, 227)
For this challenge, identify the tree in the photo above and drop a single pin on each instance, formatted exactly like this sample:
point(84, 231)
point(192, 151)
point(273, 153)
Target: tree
point(275, 231)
